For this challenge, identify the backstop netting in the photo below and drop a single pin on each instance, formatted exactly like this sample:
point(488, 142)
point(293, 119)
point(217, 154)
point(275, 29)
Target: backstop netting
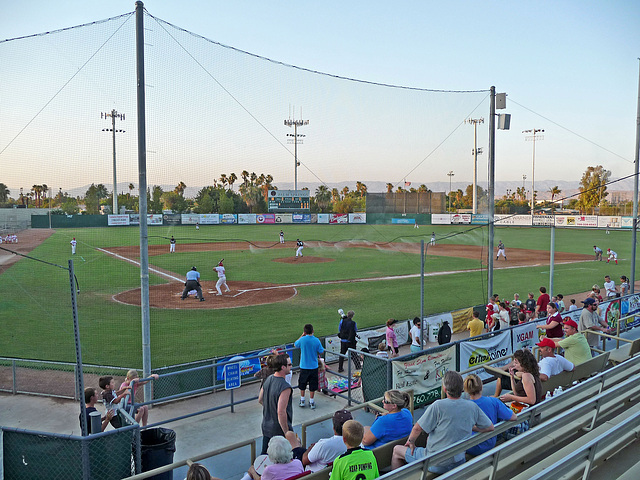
point(216, 143)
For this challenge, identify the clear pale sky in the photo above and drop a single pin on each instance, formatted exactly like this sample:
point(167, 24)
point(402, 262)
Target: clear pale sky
point(572, 62)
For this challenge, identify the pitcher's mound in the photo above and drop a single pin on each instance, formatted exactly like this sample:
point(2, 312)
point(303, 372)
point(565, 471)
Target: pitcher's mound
point(242, 294)
point(304, 260)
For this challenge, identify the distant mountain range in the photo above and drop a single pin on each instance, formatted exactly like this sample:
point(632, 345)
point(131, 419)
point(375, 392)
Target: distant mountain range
point(622, 190)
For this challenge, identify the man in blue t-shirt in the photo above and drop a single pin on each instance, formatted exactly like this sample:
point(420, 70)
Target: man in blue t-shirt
point(310, 348)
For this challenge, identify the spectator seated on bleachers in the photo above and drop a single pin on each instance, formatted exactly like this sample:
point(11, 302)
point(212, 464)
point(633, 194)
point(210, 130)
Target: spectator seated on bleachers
point(356, 463)
point(549, 365)
point(199, 472)
point(446, 422)
point(282, 464)
point(492, 407)
point(396, 423)
point(326, 450)
point(525, 379)
point(575, 345)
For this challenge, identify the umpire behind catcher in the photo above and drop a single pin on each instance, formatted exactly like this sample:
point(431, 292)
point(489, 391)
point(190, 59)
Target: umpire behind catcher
point(192, 283)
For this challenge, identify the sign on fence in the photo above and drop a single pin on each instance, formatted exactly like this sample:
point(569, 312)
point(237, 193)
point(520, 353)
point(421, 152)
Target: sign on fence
point(231, 376)
point(424, 374)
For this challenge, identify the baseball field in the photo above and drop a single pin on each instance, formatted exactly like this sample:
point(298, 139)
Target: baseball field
point(371, 269)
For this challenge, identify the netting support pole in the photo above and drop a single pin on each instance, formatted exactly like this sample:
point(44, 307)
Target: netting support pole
point(142, 180)
point(423, 251)
point(635, 195)
point(491, 193)
point(78, 366)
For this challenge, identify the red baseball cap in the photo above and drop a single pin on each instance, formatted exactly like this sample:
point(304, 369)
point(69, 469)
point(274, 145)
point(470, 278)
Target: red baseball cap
point(571, 323)
point(546, 342)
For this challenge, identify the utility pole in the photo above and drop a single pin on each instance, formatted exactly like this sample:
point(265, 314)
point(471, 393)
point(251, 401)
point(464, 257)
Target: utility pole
point(113, 114)
point(450, 174)
point(534, 135)
point(295, 124)
point(476, 151)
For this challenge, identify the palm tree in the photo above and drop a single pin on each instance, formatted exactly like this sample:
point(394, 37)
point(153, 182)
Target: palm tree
point(423, 188)
point(37, 190)
point(251, 195)
point(554, 191)
point(180, 188)
point(131, 187)
point(4, 192)
point(323, 197)
point(232, 179)
point(223, 179)
point(335, 195)
point(345, 192)
point(361, 189)
point(389, 187)
point(245, 177)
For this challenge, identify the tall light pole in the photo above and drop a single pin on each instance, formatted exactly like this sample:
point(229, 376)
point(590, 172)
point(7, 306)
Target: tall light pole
point(534, 134)
point(295, 124)
point(450, 174)
point(113, 114)
point(476, 151)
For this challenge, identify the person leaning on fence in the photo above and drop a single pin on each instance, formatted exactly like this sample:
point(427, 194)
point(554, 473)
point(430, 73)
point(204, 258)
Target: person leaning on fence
point(446, 422)
point(90, 399)
point(112, 398)
point(132, 380)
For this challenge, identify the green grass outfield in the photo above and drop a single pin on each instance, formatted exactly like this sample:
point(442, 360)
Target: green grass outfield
point(36, 320)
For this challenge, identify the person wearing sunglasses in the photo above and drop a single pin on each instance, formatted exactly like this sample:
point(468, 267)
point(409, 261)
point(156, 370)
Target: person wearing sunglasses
point(394, 424)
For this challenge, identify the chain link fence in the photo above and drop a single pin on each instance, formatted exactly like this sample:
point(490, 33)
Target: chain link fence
point(111, 455)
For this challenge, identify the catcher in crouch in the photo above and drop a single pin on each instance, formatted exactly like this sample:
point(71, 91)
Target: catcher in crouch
point(222, 278)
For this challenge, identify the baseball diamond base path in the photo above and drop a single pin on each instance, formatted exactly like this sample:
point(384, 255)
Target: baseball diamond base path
point(242, 294)
point(260, 293)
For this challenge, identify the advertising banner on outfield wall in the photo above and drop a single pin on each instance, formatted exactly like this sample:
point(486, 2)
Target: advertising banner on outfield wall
point(480, 219)
point(516, 220)
point(266, 218)
point(171, 219)
point(627, 222)
point(301, 218)
point(424, 375)
point(134, 219)
point(440, 219)
point(283, 218)
point(115, 220)
point(154, 219)
point(576, 221)
point(338, 218)
point(609, 222)
point(460, 218)
point(208, 219)
point(403, 221)
point(323, 218)
point(190, 218)
point(246, 218)
point(228, 218)
point(357, 218)
point(478, 352)
point(543, 220)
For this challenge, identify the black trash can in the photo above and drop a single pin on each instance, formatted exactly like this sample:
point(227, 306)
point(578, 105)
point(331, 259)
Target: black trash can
point(157, 448)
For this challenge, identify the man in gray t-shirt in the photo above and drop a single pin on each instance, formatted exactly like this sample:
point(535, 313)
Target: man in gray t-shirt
point(275, 398)
point(446, 422)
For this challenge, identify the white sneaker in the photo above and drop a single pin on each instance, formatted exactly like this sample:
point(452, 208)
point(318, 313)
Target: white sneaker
point(302, 403)
point(312, 406)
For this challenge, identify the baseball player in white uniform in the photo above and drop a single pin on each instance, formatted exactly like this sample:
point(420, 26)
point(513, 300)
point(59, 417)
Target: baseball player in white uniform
point(172, 245)
point(281, 236)
point(300, 246)
point(432, 242)
point(74, 243)
point(612, 256)
point(501, 250)
point(222, 278)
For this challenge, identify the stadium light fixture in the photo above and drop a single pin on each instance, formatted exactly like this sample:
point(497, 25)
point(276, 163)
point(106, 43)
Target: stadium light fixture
point(533, 135)
point(450, 174)
point(296, 139)
point(476, 151)
point(113, 114)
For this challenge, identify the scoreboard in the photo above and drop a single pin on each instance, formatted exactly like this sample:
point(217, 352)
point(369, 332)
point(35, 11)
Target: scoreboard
point(288, 201)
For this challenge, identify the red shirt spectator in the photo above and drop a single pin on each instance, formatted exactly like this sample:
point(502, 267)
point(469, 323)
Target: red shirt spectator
point(541, 304)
